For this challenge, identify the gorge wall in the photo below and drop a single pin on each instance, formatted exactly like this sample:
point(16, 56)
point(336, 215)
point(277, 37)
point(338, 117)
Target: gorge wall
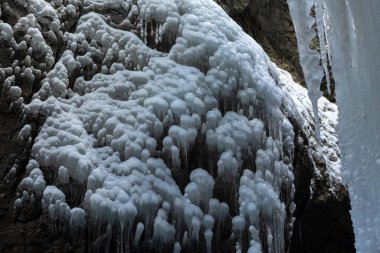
point(322, 222)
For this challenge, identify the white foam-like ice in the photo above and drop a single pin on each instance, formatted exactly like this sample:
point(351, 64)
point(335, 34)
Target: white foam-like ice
point(151, 118)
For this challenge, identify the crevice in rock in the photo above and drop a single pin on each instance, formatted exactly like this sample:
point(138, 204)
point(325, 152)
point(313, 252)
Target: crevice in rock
point(323, 224)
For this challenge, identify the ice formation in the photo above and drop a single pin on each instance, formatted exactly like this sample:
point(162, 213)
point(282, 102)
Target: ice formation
point(354, 47)
point(350, 30)
point(309, 58)
point(172, 124)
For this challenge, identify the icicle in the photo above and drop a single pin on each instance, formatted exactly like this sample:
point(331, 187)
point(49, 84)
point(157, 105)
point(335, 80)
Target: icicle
point(353, 35)
point(208, 237)
point(138, 233)
point(319, 16)
point(177, 248)
point(309, 59)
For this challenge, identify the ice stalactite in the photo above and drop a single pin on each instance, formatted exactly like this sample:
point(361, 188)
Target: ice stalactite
point(350, 29)
point(354, 37)
point(309, 58)
point(320, 18)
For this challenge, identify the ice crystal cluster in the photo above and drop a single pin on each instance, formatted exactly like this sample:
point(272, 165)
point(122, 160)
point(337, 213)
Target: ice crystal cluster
point(166, 126)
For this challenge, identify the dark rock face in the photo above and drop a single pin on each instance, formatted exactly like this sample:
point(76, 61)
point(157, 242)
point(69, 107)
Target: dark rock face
point(270, 24)
point(323, 222)
point(26, 234)
point(324, 227)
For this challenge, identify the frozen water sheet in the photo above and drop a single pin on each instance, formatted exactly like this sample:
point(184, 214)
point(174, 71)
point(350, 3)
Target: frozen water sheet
point(351, 31)
point(354, 37)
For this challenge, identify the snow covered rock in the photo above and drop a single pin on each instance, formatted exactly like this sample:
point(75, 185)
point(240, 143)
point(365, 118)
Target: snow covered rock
point(130, 132)
point(164, 116)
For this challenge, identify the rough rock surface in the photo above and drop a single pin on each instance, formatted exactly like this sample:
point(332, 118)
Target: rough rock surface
point(270, 24)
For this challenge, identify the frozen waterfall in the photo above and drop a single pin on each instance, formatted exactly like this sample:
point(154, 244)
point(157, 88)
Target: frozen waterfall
point(353, 34)
point(171, 122)
point(161, 126)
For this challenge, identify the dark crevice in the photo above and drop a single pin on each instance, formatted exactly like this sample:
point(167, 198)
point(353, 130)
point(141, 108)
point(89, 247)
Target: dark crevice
point(321, 226)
